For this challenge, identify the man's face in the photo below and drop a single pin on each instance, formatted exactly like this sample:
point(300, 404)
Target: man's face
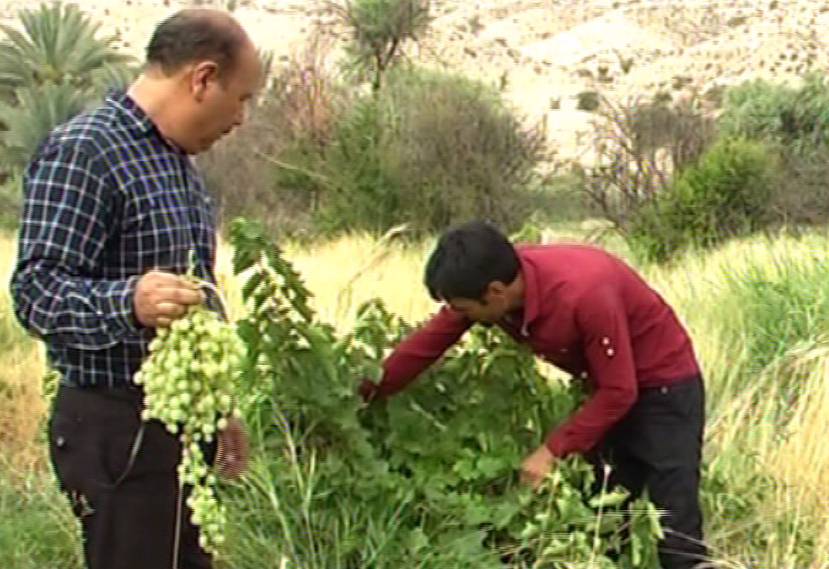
point(491, 308)
point(220, 106)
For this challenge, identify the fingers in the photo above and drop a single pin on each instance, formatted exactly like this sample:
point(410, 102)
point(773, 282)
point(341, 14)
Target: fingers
point(532, 479)
point(184, 296)
point(162, 297)
point(368, 390)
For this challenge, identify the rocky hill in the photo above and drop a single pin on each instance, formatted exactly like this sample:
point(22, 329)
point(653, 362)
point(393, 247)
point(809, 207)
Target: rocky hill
point(544, 53)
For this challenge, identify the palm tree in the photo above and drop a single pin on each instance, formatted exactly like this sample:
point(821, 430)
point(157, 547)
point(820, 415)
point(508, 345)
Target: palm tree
point(378, 30)
point(37, 113)
point(51, 69)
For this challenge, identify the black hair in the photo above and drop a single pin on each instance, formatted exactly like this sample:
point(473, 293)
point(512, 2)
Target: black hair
point(195, 35)
point(467, 259)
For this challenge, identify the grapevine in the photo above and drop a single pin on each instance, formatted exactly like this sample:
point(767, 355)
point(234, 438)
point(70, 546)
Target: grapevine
point(425, 479)
point(188, 386)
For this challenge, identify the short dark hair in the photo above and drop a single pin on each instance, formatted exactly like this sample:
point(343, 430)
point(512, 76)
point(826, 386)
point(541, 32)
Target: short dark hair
point(467, 259)
point(195, 35)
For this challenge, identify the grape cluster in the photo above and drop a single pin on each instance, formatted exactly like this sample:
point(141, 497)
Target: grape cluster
point(188, 385)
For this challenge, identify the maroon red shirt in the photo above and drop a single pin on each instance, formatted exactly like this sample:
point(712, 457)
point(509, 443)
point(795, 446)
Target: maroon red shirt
point(586, 312)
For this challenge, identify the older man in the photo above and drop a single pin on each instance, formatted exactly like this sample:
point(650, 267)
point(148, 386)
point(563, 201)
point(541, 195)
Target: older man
point(113, 209)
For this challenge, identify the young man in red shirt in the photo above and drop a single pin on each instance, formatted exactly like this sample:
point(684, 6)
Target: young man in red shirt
point(591, 315)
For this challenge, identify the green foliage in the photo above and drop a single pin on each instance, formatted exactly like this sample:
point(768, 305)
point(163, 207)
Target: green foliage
point(425, 479)
point(39, 110)
point(430, 149)
point(755, 109)
point(725, 195)
point(795, 122)
point(641, 146)
point(764, 111)
point(10, 197)
point(378, 29)
point(757, 529)
point(778, 307)
point(39, 529)
point(51, 70)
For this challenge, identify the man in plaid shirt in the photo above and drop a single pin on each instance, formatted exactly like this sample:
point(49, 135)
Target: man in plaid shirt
point(113, 212)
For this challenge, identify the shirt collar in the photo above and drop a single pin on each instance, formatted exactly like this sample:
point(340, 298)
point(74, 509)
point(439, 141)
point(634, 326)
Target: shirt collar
point(132, 113)
point(136, 118)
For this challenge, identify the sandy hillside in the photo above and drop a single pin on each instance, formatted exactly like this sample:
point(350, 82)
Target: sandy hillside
point(543, 53)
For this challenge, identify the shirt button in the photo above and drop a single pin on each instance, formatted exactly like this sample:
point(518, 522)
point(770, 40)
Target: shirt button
point(60, 442)
point(664, 390)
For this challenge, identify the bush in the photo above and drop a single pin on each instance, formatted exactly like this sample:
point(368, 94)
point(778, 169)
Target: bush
point(641, 145)
point(795, 122)
point(294, 114)
point(755, 110)
point(727, 194)
point(430, 149)
point(588, 101)
point(763, 111)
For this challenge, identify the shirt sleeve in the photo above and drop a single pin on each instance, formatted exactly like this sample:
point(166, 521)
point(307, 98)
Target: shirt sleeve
point(602, 321)
point(421, 349)
point(67, 218)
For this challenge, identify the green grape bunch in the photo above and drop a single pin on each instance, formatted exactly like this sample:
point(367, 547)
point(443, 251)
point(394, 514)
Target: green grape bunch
point(188, 382)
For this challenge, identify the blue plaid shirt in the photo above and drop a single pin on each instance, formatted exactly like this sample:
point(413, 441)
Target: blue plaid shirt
point(106, 199)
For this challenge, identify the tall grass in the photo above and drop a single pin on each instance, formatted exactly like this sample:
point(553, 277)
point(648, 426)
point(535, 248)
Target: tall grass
point(21, 373)
point(758, 311)
point(756, 308)
point(38, 528)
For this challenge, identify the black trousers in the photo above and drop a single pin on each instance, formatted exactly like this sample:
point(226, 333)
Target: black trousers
point(121, 480)
point(657, 447)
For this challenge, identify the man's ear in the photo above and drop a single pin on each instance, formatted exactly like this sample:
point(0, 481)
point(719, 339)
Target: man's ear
point(203, 74)
point(496, 288)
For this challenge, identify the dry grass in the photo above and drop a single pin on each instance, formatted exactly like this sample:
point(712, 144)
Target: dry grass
point(22, 405)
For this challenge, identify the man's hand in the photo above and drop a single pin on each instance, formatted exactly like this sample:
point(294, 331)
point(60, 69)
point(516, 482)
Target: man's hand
point(232, 454)
point(537, 466)
point(162, 297)
point(368, 390)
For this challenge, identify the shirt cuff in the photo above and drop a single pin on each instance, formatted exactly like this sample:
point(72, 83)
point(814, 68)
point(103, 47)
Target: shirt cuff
point(117, 305)
point(558, 445)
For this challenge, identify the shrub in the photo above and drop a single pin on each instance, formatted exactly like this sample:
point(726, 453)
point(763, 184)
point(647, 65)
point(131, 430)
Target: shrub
point(430, 149)
point(726, 194)
point(755, 109)
point(795, 122)
point(641, 146)
point(293, 115)
point(588, 101)
point(764, 111)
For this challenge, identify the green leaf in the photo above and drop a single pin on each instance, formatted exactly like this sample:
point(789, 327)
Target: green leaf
point(609, 499)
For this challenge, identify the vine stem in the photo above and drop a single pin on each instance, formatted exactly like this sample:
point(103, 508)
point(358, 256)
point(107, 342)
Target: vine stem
point(179, 511)
point(216, 291)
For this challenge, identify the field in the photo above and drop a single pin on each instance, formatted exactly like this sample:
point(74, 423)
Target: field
point(756, 309)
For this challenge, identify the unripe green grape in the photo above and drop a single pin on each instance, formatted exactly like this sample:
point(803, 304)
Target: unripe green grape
point(187, 381)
